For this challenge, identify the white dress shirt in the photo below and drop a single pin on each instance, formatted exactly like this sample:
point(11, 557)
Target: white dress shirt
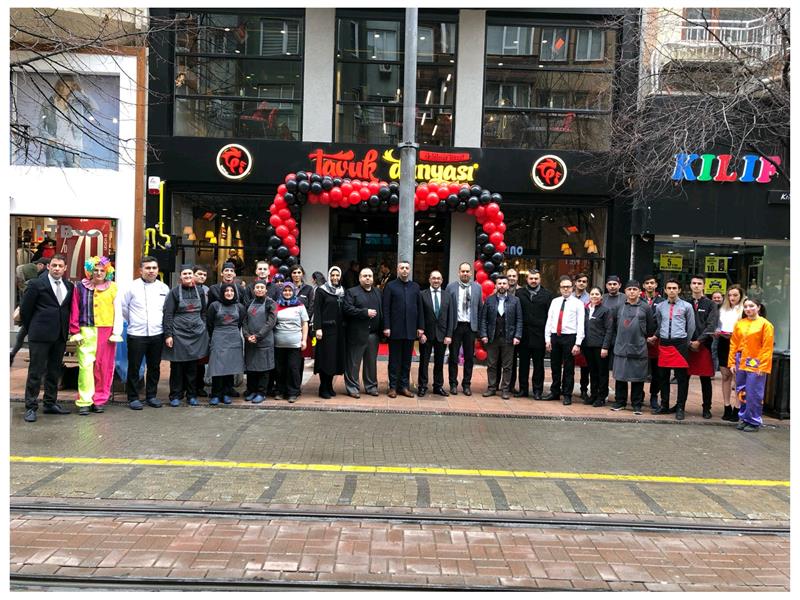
point(58, 288)
point(142, 307)
point(572, 321)
point(463, 315)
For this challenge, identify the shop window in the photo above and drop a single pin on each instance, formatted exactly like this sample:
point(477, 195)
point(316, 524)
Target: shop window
point(369, 81)
point(67, 120)
point(238, 76)
point(537, 97)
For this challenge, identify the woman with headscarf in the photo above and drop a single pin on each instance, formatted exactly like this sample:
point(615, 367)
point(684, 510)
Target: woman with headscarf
point(226, 355)
point(306, 295)
point(259, 346)
point(291, 333)
point(329, 331)
point(185, 337)
point(96, 324)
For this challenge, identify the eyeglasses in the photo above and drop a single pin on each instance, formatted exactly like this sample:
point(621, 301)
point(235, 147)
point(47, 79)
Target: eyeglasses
point(565, 287)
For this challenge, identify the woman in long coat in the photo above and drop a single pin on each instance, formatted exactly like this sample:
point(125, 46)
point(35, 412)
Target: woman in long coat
point(305, 293)
point(259, 346)
point(226, 356)
point(329, 331)
point(185, 337)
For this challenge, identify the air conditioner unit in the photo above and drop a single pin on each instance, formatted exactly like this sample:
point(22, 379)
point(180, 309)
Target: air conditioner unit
point(384, 68)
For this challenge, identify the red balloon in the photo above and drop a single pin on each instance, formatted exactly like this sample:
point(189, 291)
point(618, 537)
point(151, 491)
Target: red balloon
point(480, 212)
point(290, 223)
point(490, 227)
point(281, 231)
point(295, 231)
point(364, 193)
point(454, 188)
point(433, 199)
point(501, 227)
point(374, 187)
point(443, 192)
point(336, 194)
point(273, 210)
point(347, 189)
point(272, 270)
point(294, 250)
point(289, 177)
point(498, 218)
point(481, 276)
point(289, 240)
point(279, 201)
point(284, 214)
point(481, 354)
point(357, 183)
point(478, 265)
point(275, 221)
point(496, 238)
point(313, 198)
point(433, 187)
point(393, 208)
point(487, 286)
point(325, 198)
point(492, 209)
point(501, 247)
point(422, 191)
point(281, 189)
point(354, 197)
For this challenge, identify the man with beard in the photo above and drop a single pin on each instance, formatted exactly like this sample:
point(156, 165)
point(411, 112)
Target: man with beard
point(465, 307)
point(363, 312)
point(535, 302)
point(402, 325)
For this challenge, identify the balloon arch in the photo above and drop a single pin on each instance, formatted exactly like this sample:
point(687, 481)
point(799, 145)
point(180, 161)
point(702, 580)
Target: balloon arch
point(302, 188)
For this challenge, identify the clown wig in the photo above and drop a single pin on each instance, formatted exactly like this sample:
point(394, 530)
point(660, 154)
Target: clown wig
point(90, 265)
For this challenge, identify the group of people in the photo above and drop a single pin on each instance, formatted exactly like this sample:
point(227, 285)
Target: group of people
point(265, 328)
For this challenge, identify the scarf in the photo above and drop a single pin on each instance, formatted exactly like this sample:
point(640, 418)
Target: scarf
point(533, 291)
point(222, 299)
point(331, 289)
point(287, 302)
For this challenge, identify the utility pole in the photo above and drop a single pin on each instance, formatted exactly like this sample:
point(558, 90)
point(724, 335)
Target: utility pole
point(408, 149)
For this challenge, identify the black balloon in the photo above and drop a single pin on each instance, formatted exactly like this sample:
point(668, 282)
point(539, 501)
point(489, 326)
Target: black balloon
point(303, 187)
point(488, 266)
point(497, 258)
point(488, 249)
point(316, 178)
point(316, 188)
point(363, 206)
point(374, 201)
point(472, 202)
point(452, 201)
point(291, 261)
point(269, 231)
point(291, 185)
point(462, 206)
point(442, 206)
point(274, 241)
point(394, 200)
point(485, 197)
point(483, 238)
point(384, 192)
point(494, 276)
point(301, 176)
point(290, 198)
point(302, 199)
point(475, 190)
point(463, 193)
point(327, 184)
point(497, 198)
point(295, 210)
point(394, 187)
point(275, 261)
point(284, 270)
point(337, 181)
point(282, 252)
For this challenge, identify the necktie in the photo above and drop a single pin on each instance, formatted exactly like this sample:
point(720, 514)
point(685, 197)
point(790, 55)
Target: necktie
point(436, 302)
point(501, 306)
point(59, 295)
point(466, 300)
point(671, 307)
point(560, 317)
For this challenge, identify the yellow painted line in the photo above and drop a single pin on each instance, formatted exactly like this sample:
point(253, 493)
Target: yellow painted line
point(225, 464)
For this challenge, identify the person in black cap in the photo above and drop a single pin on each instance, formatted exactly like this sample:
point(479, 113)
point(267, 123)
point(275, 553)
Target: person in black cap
point(632, 324)
point(240, 297)
point(612, 299)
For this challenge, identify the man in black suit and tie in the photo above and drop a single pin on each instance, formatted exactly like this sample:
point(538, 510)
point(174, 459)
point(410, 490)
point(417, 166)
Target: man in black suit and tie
point(45, 310)
point(363, 311)
point(437, 331)
point(402, 324)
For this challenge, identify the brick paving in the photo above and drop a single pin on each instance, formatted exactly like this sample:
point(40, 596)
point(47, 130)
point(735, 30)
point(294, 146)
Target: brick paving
point(459, 404)
point(380, 552)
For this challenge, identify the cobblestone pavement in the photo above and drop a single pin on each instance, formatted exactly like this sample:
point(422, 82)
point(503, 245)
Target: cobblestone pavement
point(378, 552)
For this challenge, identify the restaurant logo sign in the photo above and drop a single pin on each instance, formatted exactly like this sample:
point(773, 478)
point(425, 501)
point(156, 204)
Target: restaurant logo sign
point(343, 164)
point(436, 166)
point(549, 172)
point(699, 167)
point(234, 162)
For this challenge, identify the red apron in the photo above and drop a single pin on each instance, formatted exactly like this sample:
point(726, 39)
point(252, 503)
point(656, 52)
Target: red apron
point(672, 355)
point(701, 363)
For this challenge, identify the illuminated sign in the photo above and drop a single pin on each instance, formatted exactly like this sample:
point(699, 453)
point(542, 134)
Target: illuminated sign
point(341, 164)
point(436, 166)
point(549, 172)
point(699, 167)
point(234, 162)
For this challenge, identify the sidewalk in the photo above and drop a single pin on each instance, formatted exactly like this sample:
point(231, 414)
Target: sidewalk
point(459, 404)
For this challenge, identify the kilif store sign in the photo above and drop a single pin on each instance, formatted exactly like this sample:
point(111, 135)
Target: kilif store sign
point(723, 168)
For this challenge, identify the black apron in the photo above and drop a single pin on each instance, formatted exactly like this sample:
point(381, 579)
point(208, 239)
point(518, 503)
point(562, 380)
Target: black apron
point(226, 356)
point(189, 335)
point(260, 356)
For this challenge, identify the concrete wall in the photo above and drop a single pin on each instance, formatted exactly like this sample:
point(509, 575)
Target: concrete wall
point(469, 77)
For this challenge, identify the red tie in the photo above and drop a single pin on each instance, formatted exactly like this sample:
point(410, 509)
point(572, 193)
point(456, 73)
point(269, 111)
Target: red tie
point(560, 317)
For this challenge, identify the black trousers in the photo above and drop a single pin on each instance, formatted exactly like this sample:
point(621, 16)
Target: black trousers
point(148, 347)
point(637, 393)
point(463, 337)
point(289, 372)
point(437, 349)
point(200, 380)
point(682, 377)
point(655, 378)
point(584, 379)
point(526, 355)
point(46, 361)
point(400, 364)
point(257, 382)
point(220, 385)
point(561, 359)
point(598, 373)
point(705, 389)
point(182, 377)
point(501, 354)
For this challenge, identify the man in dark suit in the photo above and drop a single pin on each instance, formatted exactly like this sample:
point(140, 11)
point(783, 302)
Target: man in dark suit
point(402, 324)
point(500, 330)
point(45, 313)
point(465, 308)
point(535, 301)
point(363, 311)
point(434, 306)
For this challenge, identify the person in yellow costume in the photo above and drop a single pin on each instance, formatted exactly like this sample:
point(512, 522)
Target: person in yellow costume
point(96, 324)
point(750, 359)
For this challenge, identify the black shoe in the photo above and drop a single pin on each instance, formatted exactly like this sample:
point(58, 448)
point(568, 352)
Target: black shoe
point(584, 395)
point(373, 392)
point(325, 395)
point(97, 409)
point(453, 390)
point(749, 428)
point(661, 410)
point(550, 396)
point(599, 402)
point(567, 400)
point(488, 393)
point(537, 395)
point(741, 425)
point(637, 410)
point(55, 409)
point(154, 402)
point(441, 392)
point(83, 411)
point(673, 408)
point(30, 415)
point(679, 415)
point(706, 413)
point(521, 394)
point(589, 400)
point(618, 406)
point(421, 392)
point(505, 395)
point(467, 391)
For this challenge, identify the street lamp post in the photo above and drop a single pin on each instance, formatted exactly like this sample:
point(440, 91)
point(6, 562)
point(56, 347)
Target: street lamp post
point(408, 149)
